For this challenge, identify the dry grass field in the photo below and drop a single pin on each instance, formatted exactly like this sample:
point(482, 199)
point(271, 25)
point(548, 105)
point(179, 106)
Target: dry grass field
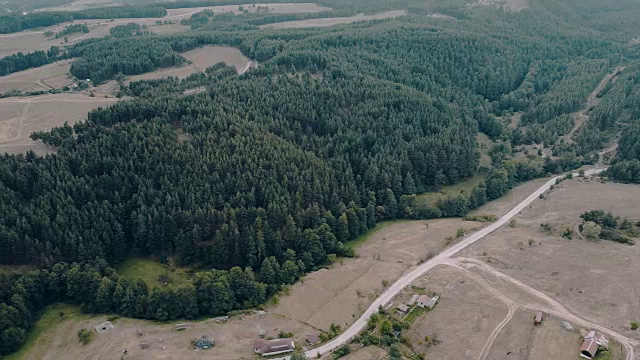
point(333, 21)
point(580, 274)
point(51, 76)
point(338, 294)
point(21, 116)
point(234, 339)
point(462, 320)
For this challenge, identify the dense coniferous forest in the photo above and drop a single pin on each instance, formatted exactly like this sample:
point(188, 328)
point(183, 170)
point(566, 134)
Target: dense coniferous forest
point(267, 175)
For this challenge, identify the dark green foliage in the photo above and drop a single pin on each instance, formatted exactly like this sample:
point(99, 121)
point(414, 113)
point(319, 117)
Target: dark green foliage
point(71, 29)
point(122, 31)
point(18, 22)
point(341, 352)
point(18, 62)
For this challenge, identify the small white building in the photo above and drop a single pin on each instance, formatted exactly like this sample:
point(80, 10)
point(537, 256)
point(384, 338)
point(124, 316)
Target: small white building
point(273, 347)
point(413, 300)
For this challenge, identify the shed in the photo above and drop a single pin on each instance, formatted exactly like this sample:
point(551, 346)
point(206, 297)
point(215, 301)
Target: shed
point(313, 339)
point(402, 308)
point(432, 302)
point(104, 327)
point(221, 319)
point(588, 349)
point(182, 326)
point(413, 300)
point(273, 347)
point(538, 318)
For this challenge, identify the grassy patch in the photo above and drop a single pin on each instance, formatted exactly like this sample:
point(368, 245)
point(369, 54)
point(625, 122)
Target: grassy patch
point(15, 269)
point(152, 272)
point(38, 337)
point(415, 313)
point(357, 242)
point(467, 185)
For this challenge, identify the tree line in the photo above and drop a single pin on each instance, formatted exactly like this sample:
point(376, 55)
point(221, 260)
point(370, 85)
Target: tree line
point(18, 22)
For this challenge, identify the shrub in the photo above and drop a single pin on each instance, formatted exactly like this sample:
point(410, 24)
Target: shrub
point(84, 336)
point(635, 325)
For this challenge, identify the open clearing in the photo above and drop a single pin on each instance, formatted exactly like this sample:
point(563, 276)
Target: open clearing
point(580, 274)
point(32, 40)
point(21, 116)
point(47, 77)
point(338, 294)
point(508, 5)
point(234, 339)
point(333, 21)
point(462, 320)
point(152, 273)
point(199, 60)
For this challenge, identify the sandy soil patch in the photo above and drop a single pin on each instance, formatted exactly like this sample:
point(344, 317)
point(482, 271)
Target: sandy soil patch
point(21, 116)
point(340, 294)
point(580, 274)
point(51, 76)
point(333, 21)
point(234, 339)
point(463, 319)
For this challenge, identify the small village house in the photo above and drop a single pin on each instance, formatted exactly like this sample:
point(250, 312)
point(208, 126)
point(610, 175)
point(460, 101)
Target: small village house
point(413, 300)
point(313, 339)
point(424, 301)
point(273, 347)
point(592, 342)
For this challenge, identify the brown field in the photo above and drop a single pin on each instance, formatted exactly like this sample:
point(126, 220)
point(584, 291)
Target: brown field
point(333, 21)
point(21, 116)
point(462, 320)
point(234, 339)
point(32, 40)
point(338, 294)
point(51, 76)
point(81, 5)
point(580, 274)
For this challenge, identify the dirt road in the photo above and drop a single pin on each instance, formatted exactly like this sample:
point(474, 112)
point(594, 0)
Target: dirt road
point(545, 303)
point(441, 259)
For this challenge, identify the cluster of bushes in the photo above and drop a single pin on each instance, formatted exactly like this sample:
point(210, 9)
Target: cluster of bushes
point(600, 225)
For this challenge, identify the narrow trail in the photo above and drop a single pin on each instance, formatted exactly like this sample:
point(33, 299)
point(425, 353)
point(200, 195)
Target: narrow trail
point(486, 349)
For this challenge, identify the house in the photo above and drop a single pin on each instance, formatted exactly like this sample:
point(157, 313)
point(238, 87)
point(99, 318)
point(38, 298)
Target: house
point(273, 347)
point(413, 300)
point(313, 339)
point(538, 318)
point(424, 301)
point(403, 309)
point(592, 342)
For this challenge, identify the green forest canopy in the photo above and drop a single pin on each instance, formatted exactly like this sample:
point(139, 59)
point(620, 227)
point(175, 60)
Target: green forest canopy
point(262, 177)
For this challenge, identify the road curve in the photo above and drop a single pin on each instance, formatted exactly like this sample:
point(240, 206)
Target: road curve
point(439, 259)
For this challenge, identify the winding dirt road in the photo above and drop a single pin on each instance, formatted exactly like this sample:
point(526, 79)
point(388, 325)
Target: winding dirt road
point(444, 258)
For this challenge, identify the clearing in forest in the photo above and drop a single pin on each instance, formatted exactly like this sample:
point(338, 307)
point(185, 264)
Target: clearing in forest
point(325, 22)
point(47, 77)
point(21, 116)
point(152, 273)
